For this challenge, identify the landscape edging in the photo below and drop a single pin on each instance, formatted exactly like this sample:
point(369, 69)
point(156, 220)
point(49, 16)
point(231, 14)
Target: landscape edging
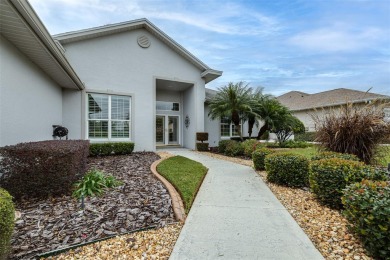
point(177, 202)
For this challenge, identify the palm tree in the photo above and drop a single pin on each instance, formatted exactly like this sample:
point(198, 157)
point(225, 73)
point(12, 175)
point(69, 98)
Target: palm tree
point(233, 101)
point(257, 97)
point(270, 111)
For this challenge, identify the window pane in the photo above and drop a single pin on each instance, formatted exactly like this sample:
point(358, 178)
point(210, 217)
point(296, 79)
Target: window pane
point(225, 131)
point(167, 106)
point(120, 129)
point(120, 107)
point(234, 130)
point(97, 106)
point(97, 129)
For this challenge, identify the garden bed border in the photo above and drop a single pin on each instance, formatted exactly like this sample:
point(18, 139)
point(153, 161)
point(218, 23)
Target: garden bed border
point(177, 202)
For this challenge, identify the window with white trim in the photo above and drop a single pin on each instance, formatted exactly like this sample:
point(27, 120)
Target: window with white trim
point(228, 129)
point(108, 117)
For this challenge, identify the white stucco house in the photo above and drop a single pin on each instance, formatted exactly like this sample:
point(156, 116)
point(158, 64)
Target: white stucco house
point(120, 82)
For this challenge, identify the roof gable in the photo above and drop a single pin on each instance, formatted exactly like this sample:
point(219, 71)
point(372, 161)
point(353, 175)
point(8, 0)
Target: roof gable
point(206, 72)
point(296, 100)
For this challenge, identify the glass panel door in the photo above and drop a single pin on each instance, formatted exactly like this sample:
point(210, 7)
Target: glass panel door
point(173, 124)
point(160, 133)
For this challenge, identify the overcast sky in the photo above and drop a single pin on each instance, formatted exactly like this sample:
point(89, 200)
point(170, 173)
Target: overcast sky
point(281, 45)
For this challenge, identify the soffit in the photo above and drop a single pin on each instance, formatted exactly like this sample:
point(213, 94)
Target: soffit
point(162, 84)
point(16, 30)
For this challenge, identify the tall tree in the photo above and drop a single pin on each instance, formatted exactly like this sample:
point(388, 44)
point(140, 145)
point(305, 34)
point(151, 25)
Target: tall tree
point(257, 97)
point(233, 101)
point(270, 111)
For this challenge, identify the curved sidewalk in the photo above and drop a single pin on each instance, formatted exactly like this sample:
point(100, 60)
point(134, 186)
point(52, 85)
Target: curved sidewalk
point(236, 216)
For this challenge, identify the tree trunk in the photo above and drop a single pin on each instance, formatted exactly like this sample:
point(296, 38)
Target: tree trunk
point(236, 122)
point(262, 130)
point(251, 123)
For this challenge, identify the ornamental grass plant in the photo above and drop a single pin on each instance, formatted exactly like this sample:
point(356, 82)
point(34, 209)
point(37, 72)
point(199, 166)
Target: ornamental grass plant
point(354, 129)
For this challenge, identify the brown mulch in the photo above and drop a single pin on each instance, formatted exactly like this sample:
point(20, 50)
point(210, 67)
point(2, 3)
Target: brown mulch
point(326, 228)
point(59, 222)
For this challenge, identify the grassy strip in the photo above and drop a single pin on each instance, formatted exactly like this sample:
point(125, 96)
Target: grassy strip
point(311, 151)
point(185, 175)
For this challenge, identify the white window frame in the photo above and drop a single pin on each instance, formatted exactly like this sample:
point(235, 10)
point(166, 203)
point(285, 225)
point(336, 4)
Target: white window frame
point(231, 127)
point(109, 138)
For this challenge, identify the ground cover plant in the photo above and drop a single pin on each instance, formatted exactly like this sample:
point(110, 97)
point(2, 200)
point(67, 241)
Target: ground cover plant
point(185, 175)
point(94, 183)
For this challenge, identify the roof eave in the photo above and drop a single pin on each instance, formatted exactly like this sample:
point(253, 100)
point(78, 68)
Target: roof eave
point(210, 75)
point(36, 25)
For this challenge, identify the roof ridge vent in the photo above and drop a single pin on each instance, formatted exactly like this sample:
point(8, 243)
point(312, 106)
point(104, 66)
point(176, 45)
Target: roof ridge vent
point(143, 41)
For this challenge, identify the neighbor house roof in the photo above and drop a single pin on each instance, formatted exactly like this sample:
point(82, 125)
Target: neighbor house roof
point(296, 100)
point(207, 73)
point(210, 93)
point(20, 25)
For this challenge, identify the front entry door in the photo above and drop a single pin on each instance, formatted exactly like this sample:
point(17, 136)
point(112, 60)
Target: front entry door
point(160, 133)
point(167, 130)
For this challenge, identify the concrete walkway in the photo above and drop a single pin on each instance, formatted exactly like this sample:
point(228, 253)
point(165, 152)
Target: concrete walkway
point(235, 216)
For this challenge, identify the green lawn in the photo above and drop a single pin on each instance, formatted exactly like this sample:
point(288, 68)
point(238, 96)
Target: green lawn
point(310, 151)
point(185, 175)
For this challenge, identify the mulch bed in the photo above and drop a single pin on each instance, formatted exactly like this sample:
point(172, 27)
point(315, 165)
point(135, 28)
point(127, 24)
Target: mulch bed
point(59, 222)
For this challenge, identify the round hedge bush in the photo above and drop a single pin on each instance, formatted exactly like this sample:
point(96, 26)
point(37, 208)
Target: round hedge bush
point(287, 169)
point(234, 148)
point(367, 208)
point(258, 157)
point(7, 218)
point(249, 146)
point(222, 145)
point(329, 155)
point(328, 177)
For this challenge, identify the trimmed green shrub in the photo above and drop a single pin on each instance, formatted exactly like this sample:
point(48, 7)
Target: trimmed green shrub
point(329, 155)
point(305, 137)
point(258, 157)
point(42, 169)
point(202, 146)
point(7, 222)
point(295, 144)
point(367, 208)
point(202, 136)
point(287, 169)
point(249, 146)
point(94, 183)
point(222, 145)
point(272, 145)
point(103, 149)
point(328, 178)
point(234, 148)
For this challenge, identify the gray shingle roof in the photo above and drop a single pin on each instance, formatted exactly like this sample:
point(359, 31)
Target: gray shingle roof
point(296, 100)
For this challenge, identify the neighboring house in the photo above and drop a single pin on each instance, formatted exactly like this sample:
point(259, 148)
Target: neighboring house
point(133, 83)
point(304, 105)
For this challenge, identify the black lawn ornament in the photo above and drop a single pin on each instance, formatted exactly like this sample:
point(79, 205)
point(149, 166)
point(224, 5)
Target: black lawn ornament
point(60, 131)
